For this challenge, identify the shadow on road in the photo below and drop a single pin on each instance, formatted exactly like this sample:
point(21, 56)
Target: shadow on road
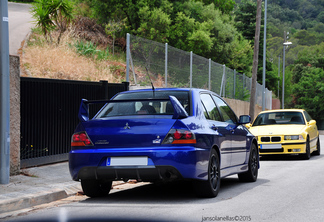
point(288, 158)
point(175, 193)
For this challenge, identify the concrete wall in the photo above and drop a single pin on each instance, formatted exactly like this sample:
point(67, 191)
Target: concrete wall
point(275, 103)
point(14, 115)
point(242, 107)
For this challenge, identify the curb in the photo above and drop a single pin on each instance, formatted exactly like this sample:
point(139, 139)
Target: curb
point(31, 200)
point(23, 201)
point(34, 199)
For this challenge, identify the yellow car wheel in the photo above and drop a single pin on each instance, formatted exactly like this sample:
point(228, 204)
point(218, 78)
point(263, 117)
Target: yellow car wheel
point(307, 155)
point(318, 150)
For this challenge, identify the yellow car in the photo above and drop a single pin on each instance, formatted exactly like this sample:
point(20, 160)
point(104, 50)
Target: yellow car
point(286, 131)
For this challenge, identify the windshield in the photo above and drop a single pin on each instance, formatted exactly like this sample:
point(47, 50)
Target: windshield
point(279, 118)
point(160, 106)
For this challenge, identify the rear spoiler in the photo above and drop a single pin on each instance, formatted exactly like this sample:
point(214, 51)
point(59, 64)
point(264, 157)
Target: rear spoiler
point(179, 111)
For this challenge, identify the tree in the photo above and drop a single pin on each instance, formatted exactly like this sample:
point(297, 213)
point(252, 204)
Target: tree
point(61, 14)
point(226, 6)
point(271, 76)
point(305, 37)
point(307, 80)
point(112, 28)
point(245, 22)
point(255, 58)
point(190, 25)
point(309, 91)
point(41, 13)
point(51, 14)
point(155, 24)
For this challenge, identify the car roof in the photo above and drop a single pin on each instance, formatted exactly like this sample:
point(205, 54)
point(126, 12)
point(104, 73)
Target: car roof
point(167, 89)
point(282, 110)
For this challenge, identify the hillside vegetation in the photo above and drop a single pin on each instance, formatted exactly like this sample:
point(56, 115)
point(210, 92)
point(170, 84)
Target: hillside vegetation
point(83, 54)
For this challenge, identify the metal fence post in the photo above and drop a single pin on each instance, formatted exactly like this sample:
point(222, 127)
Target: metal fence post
point(222, 91)
point(243, 86)
point(127, 56)
point(234, 83)
point(209, 75)
point(191, 69)
point(133, 70)
point(278, 75)
point(166, 65)
point(4, 95)
point(105, 88)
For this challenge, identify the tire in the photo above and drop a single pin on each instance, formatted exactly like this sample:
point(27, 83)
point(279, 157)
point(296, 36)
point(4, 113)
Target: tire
point(318, 150)
point(210, 187)
point(96, 188)
point(307, 155)
point(252, 174)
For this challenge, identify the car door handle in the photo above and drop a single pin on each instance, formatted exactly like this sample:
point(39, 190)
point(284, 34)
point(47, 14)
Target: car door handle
point(231, 129)
point(213, 127)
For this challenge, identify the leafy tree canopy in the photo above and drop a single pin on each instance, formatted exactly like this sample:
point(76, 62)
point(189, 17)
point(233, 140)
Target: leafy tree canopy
point(245, 22)
point(309, 91)
point(202, 26)
point(308, 76)
point(226, 6)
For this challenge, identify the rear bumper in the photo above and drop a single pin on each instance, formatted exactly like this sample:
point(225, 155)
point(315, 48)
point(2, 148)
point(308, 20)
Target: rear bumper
point(147, 173)
point(164, 164)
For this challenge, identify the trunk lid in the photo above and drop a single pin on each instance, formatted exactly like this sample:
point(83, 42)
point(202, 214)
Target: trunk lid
point(126, 132)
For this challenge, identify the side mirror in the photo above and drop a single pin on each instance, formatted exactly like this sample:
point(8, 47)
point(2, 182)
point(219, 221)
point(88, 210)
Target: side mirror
point(312, 122)
point(248, 125)
point(244, 119)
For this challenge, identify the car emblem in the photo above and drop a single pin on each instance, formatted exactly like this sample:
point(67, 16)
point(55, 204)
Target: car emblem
point(127, 126)
point(157, 140)
point(102, 142)
point(270, 132)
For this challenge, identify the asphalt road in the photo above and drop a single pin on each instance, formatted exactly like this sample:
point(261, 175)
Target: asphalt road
point(20, 24)
point(288, 189)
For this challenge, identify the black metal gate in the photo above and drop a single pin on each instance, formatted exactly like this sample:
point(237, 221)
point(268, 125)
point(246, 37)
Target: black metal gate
point(49, 115)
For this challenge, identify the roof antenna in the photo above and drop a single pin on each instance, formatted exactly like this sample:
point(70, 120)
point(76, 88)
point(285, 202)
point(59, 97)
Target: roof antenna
point(150, 79)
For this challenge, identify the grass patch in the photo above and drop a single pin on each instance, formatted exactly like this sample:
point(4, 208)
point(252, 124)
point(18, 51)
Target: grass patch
point(73, 59)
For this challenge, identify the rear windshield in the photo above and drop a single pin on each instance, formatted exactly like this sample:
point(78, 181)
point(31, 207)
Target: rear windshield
point(279, 118)
point(138, 107)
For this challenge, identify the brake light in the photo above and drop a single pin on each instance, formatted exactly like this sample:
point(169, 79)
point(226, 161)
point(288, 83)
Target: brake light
point(81, 139)
point(179, 136)
point(188, 134)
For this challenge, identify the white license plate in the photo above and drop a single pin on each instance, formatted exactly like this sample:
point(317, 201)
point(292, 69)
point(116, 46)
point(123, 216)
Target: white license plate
point(127, 161)
point(270, 146)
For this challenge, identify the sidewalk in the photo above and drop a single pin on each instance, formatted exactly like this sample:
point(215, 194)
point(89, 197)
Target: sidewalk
point(38, 185)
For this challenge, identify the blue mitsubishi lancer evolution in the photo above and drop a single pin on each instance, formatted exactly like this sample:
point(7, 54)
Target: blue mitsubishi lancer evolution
point(162, 135)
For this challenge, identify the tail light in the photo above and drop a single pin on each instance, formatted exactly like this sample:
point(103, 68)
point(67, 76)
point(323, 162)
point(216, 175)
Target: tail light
point(179, 136)
point(81, 139)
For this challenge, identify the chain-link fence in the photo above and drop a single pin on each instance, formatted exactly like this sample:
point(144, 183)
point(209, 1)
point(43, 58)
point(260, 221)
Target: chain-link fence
point(165, 66)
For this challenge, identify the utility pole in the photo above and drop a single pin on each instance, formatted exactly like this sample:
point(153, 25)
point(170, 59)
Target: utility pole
point(278, 75)
point(264, 56)
point(283, 73)
point(255, 58)
point(4, 95)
